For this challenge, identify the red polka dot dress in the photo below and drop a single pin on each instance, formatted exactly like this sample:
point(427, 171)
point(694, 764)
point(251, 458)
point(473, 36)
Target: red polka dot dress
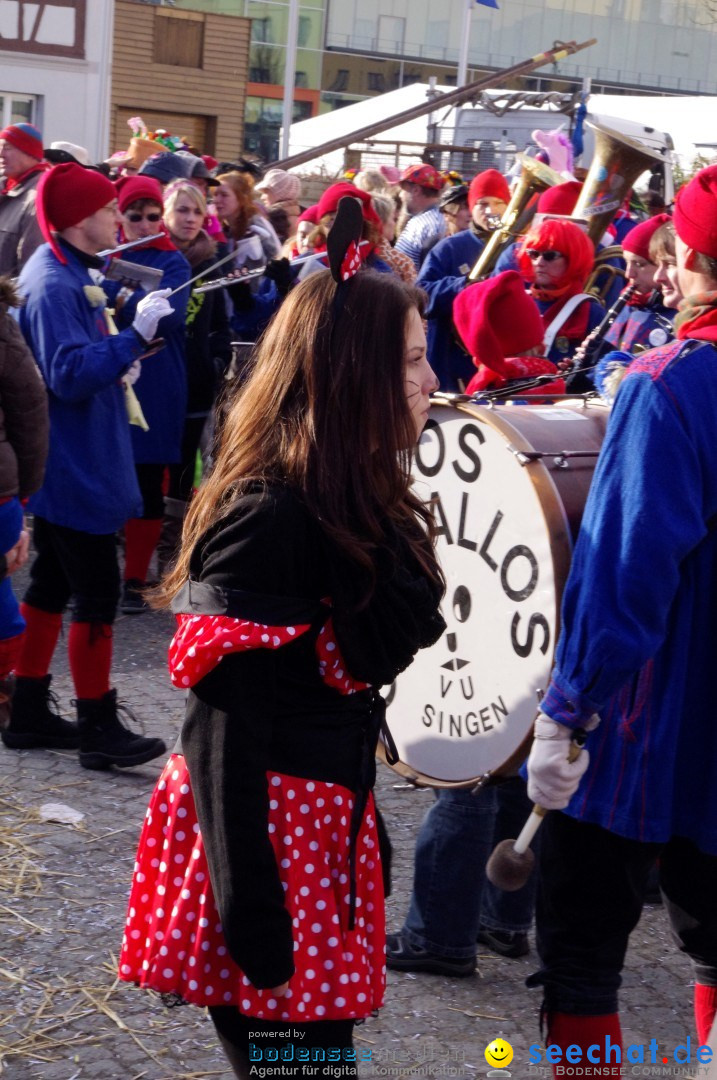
point(174, 941)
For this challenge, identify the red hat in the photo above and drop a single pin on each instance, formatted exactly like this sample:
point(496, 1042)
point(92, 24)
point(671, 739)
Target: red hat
point(695, 214)
point(637, 241)
point(24, 137)
point(131, 188)
point(560, 199)
point(496, 318)
point(66, 195)
point(423, 175)
point(310, 214)
point(329, 201)
point(488, 185)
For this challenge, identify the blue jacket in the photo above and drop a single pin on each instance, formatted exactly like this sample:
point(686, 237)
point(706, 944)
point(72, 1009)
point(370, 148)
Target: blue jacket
point(639, 613)
point(634, 325)
point(162, 386)
point(442, 277)
point(90, 483)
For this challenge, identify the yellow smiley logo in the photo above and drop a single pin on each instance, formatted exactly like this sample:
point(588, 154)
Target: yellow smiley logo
point(499, 1053)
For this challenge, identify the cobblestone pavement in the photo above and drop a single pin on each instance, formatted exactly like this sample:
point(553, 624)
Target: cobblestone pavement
point(63, 893)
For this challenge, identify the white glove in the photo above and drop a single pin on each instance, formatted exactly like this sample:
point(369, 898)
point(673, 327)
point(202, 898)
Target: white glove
point(552, 778)
point(133, 372)
point(150, 309)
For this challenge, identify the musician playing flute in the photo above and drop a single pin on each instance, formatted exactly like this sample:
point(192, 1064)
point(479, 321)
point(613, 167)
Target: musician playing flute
point(634, 670)
point(90, 487)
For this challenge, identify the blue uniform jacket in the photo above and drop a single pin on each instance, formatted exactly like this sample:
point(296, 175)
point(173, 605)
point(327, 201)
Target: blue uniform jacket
point(639, 614)
point(442, 277)
point(634, 325)
point(162, 386)
point(90, 483)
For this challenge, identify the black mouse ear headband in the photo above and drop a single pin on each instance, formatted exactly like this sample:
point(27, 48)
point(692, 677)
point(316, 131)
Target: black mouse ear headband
point(344, 246)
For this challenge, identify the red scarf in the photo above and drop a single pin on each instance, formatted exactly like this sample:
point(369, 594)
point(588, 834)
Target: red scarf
point(13, 181)
point(697, 317)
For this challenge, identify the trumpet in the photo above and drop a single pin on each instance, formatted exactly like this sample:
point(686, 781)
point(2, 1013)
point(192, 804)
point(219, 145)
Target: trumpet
point(535, 177)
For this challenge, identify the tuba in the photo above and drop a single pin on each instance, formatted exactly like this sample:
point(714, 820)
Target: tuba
point(535, 177)
point(616, 165)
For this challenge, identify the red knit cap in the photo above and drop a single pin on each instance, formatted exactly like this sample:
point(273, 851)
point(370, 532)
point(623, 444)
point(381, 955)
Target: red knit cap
point(24, 137)
point(637, 241)
point(496, 318)
point(131, 188)
point(695, 214)
point(310, 215)
point(560, 199)
point(488, 185)
point(329, 201)
point(423, 175)
point(66, 195)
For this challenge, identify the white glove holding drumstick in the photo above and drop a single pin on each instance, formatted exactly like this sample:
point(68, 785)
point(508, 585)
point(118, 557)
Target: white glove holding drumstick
point(556, 765)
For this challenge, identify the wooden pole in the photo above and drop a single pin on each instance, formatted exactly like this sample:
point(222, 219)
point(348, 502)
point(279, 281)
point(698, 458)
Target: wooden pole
point(453, 97)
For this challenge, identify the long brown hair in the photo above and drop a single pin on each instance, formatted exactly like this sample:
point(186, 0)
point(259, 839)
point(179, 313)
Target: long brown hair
point(325, 410)
point(243, 187)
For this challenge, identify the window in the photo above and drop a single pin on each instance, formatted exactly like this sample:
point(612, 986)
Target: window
point(17, 109)
point(54, 28)
point(341, 81)
point(261, 29)
point(179, 42)
point(301, 79)
point(375, 81)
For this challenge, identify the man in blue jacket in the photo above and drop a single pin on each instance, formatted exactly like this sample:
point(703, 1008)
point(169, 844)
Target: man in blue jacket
point(90, 486)
point(634, 675)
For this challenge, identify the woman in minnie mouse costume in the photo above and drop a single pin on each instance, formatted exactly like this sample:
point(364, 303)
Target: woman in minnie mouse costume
point(307, 579)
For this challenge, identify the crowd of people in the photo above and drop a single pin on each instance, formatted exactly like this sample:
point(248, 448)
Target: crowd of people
point(303, 570)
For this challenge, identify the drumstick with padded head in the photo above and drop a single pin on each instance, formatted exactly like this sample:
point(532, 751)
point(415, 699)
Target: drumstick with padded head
point(512, 861)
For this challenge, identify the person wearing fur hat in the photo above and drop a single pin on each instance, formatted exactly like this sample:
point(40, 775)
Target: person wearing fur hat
point(421, 186)
point(162, 387)
point(90, 487)
point(21, 166)
point(444, 274)
point(633, 682)
point(555, 258)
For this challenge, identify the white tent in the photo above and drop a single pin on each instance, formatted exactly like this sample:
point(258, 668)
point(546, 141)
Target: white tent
point(691, 121)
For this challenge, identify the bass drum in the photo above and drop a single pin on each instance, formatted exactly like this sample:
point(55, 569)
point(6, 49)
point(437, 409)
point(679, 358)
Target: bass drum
point(508, 485)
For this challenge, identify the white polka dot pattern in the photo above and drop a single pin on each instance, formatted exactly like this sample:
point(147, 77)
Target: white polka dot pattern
point(173, 941)
point(201, 641)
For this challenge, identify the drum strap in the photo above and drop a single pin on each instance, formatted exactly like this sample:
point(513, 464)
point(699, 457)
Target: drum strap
point(561, 318)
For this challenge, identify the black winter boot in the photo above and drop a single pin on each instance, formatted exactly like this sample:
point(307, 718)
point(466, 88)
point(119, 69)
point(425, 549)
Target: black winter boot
point(105, 741)
point(33, 722)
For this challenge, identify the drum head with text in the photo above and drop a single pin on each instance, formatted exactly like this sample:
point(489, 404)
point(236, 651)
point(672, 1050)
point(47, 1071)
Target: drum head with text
point(468, 702)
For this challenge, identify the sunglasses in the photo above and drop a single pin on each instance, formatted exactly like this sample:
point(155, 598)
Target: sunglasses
point(134, 218)
point(548, 256)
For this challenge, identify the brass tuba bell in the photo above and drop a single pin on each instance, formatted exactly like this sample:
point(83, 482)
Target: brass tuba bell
point(616, 165)
point(535, 177)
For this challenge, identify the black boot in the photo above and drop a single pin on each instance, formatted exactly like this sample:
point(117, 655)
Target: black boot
point(105, 741)
point(33, 721)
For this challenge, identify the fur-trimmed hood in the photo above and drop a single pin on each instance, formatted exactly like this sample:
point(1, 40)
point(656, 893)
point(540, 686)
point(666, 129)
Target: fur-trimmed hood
point(9, 296)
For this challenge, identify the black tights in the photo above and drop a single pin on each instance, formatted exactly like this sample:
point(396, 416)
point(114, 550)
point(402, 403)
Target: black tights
point(238, 1032)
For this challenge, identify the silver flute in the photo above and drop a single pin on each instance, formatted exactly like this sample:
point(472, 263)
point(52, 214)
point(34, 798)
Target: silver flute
point(259, 271)
point(125, 247)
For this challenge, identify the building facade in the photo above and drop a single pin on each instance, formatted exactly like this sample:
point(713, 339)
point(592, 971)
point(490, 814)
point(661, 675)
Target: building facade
point(182, 69)
point(54, 68)
point(667, 46)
